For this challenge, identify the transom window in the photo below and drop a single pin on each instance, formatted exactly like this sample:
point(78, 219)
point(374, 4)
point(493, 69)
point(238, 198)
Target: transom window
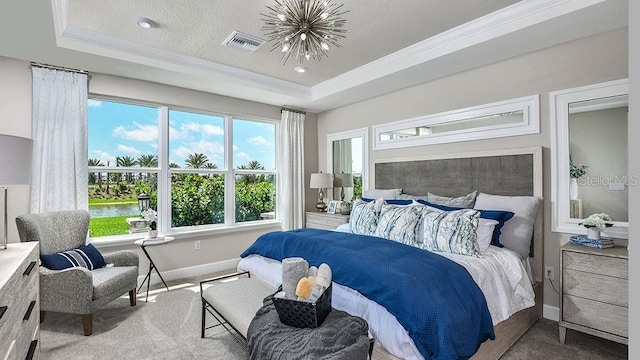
point(200, 170)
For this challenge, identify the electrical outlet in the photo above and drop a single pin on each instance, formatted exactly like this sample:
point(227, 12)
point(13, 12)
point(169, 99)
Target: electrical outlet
point(197, 245)
point(549, 273)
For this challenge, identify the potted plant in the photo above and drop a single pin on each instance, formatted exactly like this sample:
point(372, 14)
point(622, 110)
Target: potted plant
point(150, 216)
point(596, 223)
point(575, 171)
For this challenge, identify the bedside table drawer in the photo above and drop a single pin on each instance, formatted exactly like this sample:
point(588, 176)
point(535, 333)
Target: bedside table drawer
point(325, 221)
point(596, 315)
point(604, 265)
point(596, 287)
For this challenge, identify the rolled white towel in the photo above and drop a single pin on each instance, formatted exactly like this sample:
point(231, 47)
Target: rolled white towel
point(293, 269)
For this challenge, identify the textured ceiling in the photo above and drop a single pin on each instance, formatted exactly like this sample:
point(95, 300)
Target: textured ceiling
point(390, 45)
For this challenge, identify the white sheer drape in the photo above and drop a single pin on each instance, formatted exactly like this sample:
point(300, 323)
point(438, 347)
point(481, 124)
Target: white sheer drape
point(291, 178)
point(59, 176)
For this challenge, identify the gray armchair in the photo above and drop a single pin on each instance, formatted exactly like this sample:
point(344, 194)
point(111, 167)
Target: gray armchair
point(77, 290)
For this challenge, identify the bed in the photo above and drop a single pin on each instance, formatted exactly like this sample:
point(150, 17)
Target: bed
point(509, 277)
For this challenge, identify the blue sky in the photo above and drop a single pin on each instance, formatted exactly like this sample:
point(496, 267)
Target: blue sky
point(117, 129)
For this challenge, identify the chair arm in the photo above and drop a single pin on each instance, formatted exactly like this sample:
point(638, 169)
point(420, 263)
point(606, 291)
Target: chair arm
point(121, 258)
point(68, 290)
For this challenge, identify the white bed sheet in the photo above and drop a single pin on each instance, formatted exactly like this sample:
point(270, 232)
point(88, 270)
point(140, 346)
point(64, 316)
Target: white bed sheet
point(500, 274)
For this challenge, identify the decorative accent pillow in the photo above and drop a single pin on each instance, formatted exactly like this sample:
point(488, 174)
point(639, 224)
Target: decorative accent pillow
point(466, 201)
point(517, 233)
point(364, 217)
point(399, 223)
point(498, 215)
point(382, 193)
point(485, 233)
point(86, 256)
point(451, 231)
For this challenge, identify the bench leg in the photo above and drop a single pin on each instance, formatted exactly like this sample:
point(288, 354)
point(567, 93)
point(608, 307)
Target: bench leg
point(202, 323)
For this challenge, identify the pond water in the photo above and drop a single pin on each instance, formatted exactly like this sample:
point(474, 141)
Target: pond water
point(111, 210)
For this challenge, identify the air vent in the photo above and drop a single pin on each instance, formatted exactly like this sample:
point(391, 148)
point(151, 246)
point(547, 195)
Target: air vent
point(243, 42)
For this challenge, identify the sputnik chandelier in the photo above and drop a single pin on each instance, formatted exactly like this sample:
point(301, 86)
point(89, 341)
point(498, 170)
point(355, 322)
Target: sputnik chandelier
point(304, 28)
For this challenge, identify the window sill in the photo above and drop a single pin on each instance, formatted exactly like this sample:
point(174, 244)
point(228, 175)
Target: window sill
point(128, 239)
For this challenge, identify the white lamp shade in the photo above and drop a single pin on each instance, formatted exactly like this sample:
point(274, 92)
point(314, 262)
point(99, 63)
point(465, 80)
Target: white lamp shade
point(15, 160)
point(321, 181)
point(343, 180)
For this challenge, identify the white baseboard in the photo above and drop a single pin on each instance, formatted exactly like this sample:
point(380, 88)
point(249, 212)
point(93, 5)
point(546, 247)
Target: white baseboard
point(191, 271)
point(551, 312)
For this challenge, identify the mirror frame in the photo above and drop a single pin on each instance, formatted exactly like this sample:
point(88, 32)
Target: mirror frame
point(559, 110)
point(530, 124)
point(364, 134)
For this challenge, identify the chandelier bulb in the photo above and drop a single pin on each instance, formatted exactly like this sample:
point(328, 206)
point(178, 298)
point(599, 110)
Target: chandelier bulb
point(303, 36)
point(282, 17)
point(324, 46)
point(285, 47)
point(324, 15)
point(307, 56)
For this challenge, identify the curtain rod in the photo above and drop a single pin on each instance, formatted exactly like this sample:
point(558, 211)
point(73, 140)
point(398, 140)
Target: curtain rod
point(293, 110)
point(54, 67)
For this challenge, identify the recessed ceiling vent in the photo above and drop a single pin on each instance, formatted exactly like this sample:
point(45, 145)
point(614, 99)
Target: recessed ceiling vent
point(238, 40)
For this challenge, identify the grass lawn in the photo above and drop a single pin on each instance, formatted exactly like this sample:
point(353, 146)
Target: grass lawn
point(108, 226)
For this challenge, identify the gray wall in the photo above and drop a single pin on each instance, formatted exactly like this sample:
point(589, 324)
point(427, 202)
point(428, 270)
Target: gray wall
point(581, 62)
point(15, 112)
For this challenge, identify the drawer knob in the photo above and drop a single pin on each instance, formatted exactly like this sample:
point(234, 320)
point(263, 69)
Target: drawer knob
point(27, 315)
point(3, 309)
point(29, 268)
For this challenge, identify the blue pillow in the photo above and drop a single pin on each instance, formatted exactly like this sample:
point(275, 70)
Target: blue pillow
point(86, 256)
point(500, 215)
point(392, 201)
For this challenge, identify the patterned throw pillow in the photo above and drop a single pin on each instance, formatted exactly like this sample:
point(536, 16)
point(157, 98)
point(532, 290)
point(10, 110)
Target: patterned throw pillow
point(86, 256)
point(364, 217)
point(451, 231)
point(399, 223)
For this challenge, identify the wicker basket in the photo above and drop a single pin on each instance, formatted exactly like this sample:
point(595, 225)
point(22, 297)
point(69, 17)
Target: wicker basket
point(304, 314)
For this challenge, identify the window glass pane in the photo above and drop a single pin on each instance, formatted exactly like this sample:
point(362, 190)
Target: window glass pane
point(254, 145)
point(197, 199)
point(125, 131)
point(113, 203)
point(196, 140)
point(255, 197)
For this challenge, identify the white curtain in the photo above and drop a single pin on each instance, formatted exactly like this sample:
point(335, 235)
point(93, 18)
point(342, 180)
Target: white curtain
point(59, 176)
point(290, 205)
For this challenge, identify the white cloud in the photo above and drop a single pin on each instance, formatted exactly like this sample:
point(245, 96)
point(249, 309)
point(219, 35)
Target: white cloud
point(212, 130)
point(105, 157)
point(94, 103)
point(213, 150)
point(258, 141)
point(243, 155)
point(128, 149)
point(146, 133)
point(235, 148)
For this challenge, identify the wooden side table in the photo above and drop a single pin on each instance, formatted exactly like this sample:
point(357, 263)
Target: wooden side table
point(143, 243)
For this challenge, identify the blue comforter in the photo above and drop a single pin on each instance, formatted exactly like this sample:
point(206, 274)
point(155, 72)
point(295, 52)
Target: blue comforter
point(435, 299)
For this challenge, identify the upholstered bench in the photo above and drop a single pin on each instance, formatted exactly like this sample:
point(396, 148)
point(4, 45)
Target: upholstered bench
point(233, 301)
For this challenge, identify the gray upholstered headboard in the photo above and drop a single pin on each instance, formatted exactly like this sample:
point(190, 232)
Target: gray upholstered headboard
point(509, 172)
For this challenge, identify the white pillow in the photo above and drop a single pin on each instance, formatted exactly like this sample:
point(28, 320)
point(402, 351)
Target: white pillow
point(518, 231)
point(485, 233)
point(466, 201)
point(381, 193)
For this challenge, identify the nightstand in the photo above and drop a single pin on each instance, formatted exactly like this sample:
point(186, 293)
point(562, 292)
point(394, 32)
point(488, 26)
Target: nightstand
point(323, 220)
point(594, 291)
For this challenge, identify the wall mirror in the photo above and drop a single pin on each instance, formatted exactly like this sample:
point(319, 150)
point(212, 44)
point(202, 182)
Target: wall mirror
point(348, 153)
point(590, 156)
point(504, 118)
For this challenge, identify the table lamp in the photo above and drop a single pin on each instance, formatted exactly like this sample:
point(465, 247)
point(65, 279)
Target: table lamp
point(342, 181)
point(321, 181)
point(15, 169)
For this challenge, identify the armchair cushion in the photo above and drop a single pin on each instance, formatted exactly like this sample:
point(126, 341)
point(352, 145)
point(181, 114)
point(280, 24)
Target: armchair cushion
point(85, 256)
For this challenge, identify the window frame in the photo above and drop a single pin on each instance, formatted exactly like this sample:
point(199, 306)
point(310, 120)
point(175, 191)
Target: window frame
point(164, 173)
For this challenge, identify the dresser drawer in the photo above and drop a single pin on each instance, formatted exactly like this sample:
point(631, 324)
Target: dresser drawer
point(596, 315)
point(597, 287)
point(605, 265)
point(325, 221)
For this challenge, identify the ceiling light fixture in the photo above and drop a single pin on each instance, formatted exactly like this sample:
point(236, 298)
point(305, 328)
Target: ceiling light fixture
point(304, 28)
point(301, 69)
point(146, 23)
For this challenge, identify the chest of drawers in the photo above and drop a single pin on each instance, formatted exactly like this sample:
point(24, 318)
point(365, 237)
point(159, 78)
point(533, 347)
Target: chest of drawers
point(594, 291)
point(19, 302)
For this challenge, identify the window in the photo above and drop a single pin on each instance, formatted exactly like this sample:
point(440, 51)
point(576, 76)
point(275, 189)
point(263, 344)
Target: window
point(200, 170)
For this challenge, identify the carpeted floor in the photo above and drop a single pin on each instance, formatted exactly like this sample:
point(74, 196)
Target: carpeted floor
point(168, 327)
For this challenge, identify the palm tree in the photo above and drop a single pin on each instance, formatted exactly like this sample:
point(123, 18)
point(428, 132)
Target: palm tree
point(252, 165)
point(196, 160)
point(126, 161)
point(95, 177)
point(146, 161)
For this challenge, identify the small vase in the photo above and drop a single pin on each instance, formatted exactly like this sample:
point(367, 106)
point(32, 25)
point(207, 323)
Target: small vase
point(152, 234)
point(593, 233)
point(573, 189)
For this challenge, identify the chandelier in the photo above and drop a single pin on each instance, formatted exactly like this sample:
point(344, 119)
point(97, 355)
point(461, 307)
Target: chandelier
point(304, 28)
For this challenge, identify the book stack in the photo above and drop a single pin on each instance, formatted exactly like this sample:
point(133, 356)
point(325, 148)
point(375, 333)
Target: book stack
point(583, 240)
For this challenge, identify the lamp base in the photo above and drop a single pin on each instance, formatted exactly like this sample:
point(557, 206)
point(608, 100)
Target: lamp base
point(321, 206)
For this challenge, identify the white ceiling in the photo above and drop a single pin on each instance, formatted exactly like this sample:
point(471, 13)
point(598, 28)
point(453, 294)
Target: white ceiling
point(390, 44)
